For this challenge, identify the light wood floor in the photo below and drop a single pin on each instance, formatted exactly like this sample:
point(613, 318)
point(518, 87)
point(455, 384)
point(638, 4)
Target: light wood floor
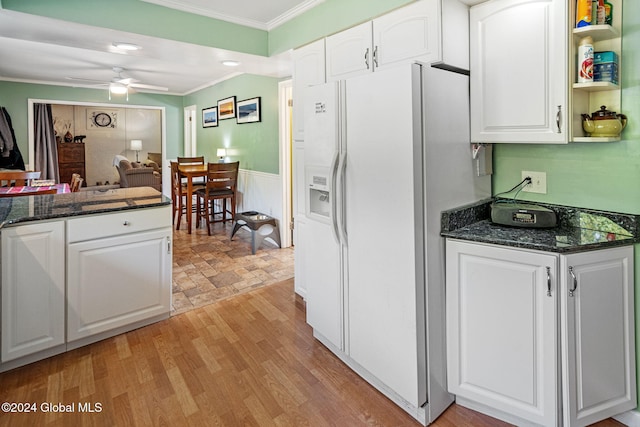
point(249, 360)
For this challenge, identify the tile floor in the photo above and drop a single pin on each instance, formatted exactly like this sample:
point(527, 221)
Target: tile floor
point(207, 269)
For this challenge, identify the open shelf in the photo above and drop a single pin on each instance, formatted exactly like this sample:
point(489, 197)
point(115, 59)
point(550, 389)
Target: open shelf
point(596, 86)
point(597, 32)
point(595, 139)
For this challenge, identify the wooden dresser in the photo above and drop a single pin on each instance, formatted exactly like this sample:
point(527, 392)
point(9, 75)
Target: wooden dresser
point(71, 160)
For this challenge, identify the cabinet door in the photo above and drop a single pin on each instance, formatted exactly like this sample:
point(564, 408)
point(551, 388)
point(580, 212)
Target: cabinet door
point(501, 330)
point(518, 62)
point(117, 281)
point(33, 288)
point(349, 53)
point(598, 361)
point(308, 69)
point(411, 33)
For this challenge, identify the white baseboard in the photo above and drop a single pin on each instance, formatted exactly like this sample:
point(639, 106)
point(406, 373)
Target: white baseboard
point(629, 418)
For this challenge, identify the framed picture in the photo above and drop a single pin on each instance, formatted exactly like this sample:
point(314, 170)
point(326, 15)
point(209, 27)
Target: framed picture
point(227, 108)
point(209, 117)
point(248, 111)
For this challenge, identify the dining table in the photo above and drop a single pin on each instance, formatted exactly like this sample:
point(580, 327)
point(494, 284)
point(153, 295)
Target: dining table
point(62, 188)
point(189, 172)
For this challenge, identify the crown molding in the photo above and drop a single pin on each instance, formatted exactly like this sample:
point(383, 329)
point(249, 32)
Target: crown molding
point(266, 26)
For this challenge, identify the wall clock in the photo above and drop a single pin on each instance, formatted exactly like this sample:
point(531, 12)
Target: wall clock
point(102, 119)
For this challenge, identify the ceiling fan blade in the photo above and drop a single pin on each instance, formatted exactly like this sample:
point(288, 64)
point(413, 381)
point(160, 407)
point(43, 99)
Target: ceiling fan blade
point(124, 81)
point(79, 79)
point(150, 87)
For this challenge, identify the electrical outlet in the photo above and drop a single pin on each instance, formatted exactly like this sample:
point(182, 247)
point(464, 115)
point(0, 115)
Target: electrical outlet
point(538, 182)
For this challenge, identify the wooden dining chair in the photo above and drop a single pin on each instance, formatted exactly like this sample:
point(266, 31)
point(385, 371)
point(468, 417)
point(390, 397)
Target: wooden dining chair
point(222, 180)
point(76, 182)
point(177, 195)
point(30, 193)
point(17, 178)
point(198, 160)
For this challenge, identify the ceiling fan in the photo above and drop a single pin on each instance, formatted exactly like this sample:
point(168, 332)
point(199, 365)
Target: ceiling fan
point(119, 84)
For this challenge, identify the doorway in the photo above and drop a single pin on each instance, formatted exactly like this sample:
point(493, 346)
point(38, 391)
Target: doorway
point(190, 142)
point(85, 125)
point(285, 102)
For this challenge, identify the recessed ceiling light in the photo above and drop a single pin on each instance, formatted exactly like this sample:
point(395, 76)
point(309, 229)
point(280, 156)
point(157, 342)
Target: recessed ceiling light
point(126, 46)
point(230, 63)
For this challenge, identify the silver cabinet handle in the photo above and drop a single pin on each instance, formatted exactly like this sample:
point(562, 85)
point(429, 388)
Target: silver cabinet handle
point(375, 57)
point(575, 281)
point(548, 281)
point(559, 118)
point(126, 223)
point(366, 58)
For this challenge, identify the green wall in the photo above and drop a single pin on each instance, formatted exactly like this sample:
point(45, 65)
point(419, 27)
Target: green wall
point(255, 145)
point(14, 97)
point(327, 18)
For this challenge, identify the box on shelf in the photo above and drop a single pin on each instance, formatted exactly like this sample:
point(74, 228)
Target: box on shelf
point(605, 67)
point(606, 56)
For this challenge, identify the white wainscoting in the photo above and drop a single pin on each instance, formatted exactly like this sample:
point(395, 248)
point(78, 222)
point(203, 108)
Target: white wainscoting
point(262, 192)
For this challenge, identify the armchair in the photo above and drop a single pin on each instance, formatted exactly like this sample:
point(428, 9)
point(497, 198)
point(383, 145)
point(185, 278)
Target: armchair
point(133, 175)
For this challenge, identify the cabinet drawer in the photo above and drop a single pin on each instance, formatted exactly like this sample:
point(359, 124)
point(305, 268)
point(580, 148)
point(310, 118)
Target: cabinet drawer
point(130, 221)
point(70, 152)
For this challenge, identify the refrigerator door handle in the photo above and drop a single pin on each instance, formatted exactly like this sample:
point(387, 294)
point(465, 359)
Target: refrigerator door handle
point(334, 198)
point(342, 167)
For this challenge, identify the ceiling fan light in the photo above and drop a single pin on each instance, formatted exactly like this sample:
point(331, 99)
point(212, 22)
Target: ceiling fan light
point(117, 89)
point(230, 63)
point(126, 46)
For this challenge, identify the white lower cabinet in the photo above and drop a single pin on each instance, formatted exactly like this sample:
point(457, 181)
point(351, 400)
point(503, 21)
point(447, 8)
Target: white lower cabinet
point(113, 282)
point(538, 338)
point(33, 289)
point(118, 278)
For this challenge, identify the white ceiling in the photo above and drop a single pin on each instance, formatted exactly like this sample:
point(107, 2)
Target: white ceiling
point(37, 49)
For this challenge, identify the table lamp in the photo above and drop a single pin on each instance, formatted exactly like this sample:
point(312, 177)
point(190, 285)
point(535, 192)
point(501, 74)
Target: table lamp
point(136, 145)
point(221, 153)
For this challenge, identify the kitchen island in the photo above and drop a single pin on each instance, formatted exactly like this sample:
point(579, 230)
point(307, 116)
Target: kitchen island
point(80, 267)
point(540, 321)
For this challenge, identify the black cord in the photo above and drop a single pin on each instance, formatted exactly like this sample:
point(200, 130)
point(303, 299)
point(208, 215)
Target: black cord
point(519, 185)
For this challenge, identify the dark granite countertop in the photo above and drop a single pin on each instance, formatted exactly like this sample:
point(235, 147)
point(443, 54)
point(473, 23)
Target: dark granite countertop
point(578, 229)
point(15, 210)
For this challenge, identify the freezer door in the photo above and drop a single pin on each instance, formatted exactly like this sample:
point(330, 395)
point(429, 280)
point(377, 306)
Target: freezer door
point(322, 126)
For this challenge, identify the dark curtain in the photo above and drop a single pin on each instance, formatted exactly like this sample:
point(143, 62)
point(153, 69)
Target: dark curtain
point(46, 152)
point(10, 157)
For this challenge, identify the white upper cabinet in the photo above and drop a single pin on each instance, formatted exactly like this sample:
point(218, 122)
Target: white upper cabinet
point(349, 53)
point(429, 31)
point(409, 33)
point(518, 64)
point(308, 69)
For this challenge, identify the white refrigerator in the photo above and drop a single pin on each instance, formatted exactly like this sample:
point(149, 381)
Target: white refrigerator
point(385, 154)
